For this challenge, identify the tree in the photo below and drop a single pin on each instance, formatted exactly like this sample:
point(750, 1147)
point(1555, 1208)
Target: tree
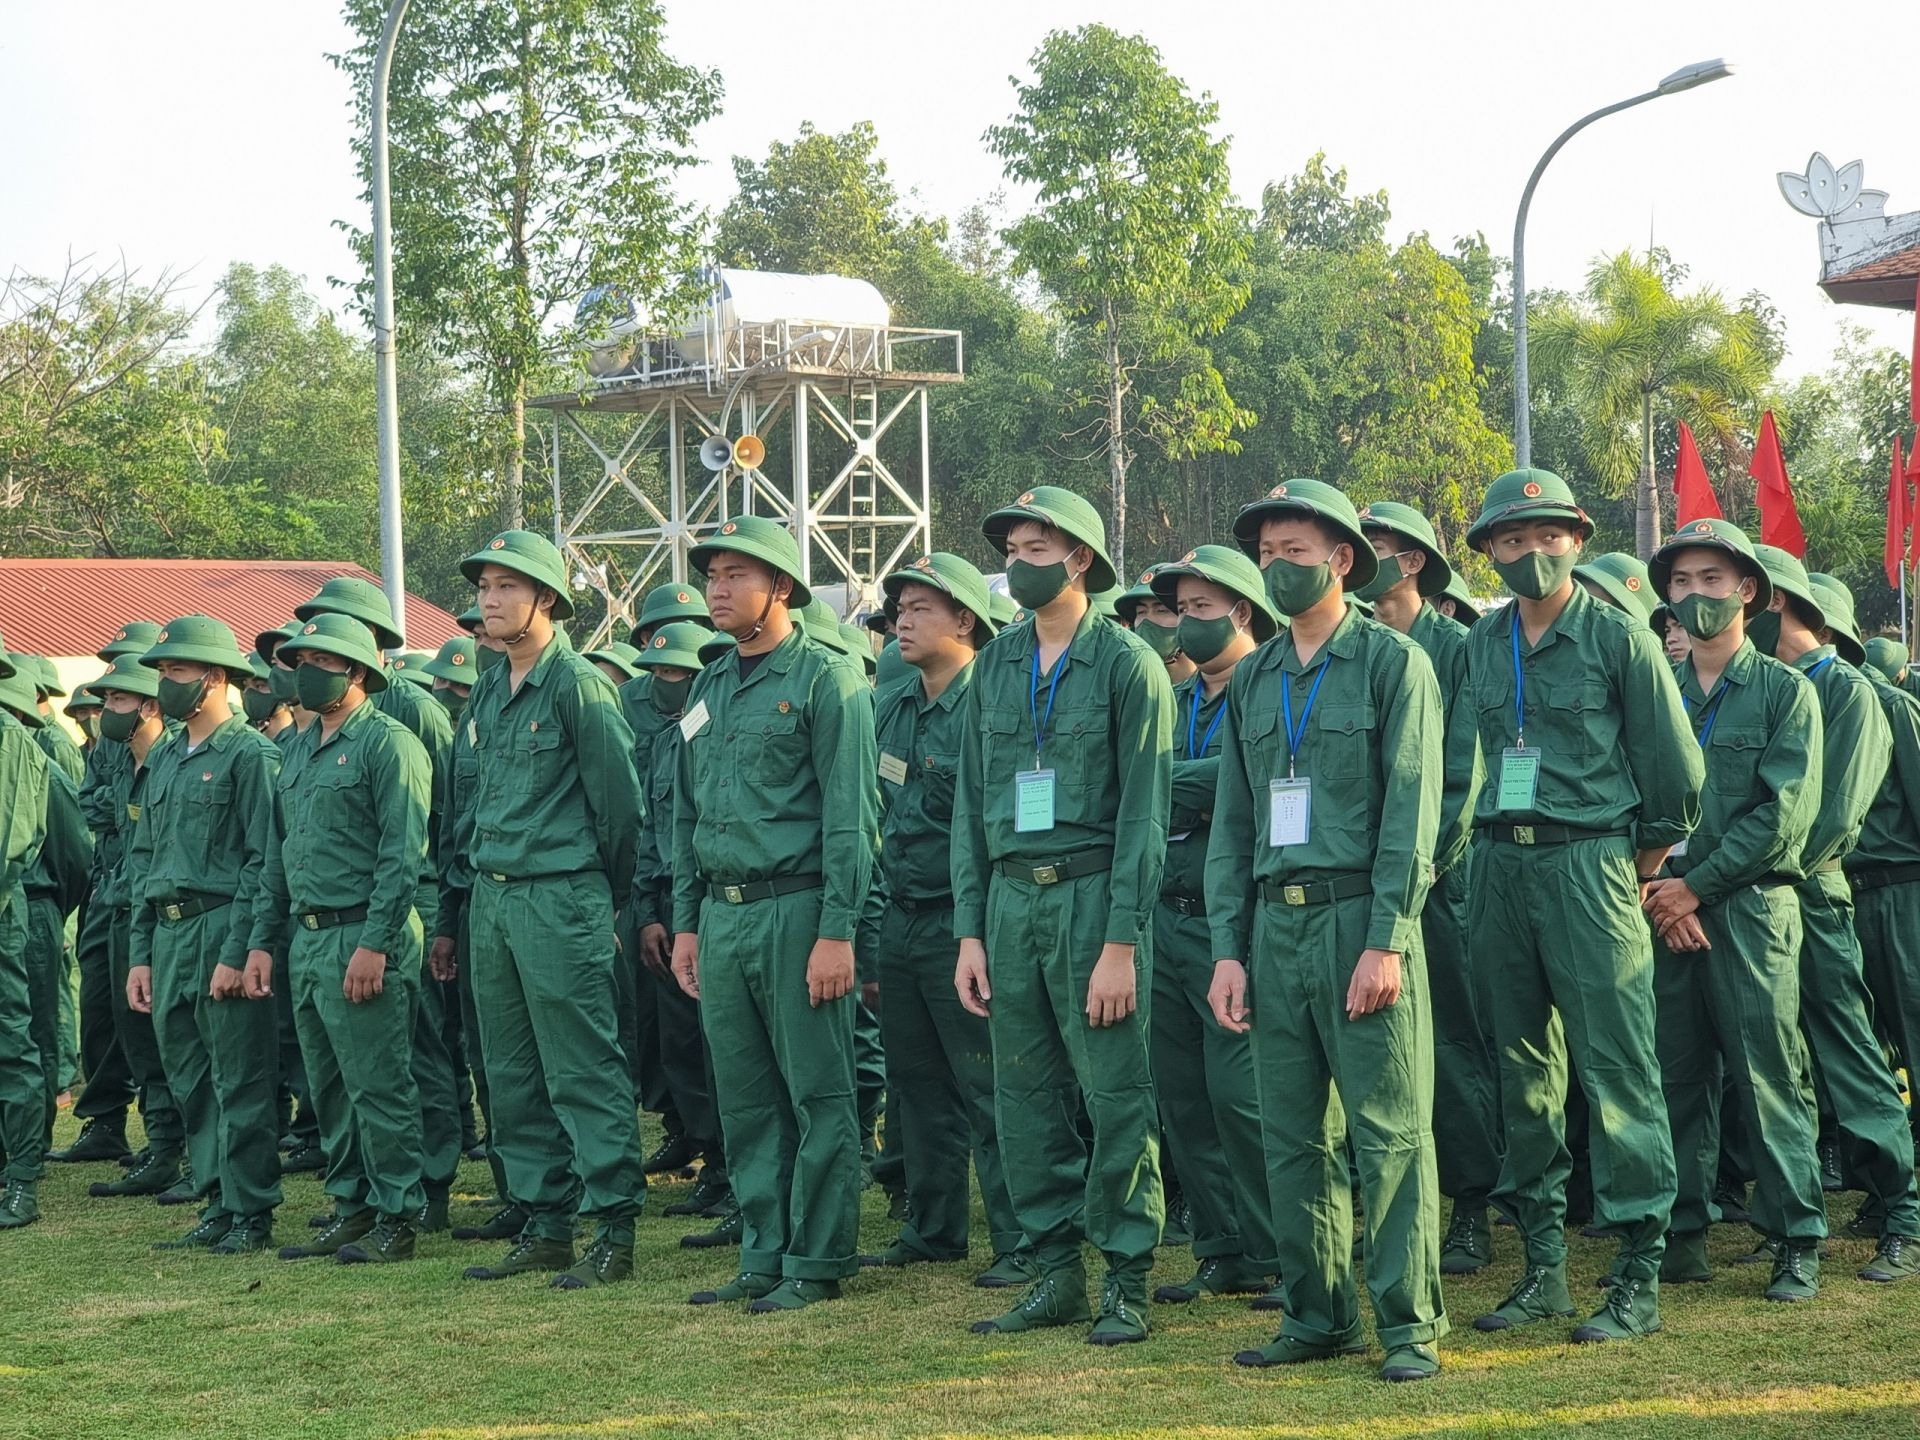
point(534, 148)
point(1631, 351)
point(1136, 236)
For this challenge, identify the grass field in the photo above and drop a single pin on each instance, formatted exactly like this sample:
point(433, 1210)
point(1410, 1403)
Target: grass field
point(100, 1337)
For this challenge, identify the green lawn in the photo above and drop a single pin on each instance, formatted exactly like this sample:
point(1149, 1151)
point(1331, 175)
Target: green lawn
point(100, 1337)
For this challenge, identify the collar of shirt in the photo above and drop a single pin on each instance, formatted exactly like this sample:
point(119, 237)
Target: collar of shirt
point(1572, 622)
point(1344, 642)
point(1813, 657)
point(218, 736)
point(779, 660)
point(1023, 642)
point(1739, 670)
point(951, 696)
point(535, 675)
point(356, 718)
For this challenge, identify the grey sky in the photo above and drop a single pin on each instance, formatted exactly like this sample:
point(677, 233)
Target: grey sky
point(198, 132)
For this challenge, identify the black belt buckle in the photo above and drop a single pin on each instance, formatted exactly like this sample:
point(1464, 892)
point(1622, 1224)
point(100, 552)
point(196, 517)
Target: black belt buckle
point(1523, 834)
point(733, 894)
point(311, 921)
point(173, 910)
point(1046, 874)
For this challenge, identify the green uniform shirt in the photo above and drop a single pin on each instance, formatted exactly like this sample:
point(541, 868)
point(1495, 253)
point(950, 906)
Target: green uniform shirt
point(127, 795)
point(427, 718)
point(1110, 747)
point(1445, 643)
point(205, 825)
point(645, 720)
point(1856, 749)
point(1373, 747)
point(1196, 727)
point(59, 748)
point(100, 806)
point(653, 857)
point(1760, 734)
point(555, 792)
point(778, 780)
point(1616, 752)
point(455, 828)
point(350, 827)
point(1891, 832)
point(1910, 682)
point(919, 744)
point(64, 866)
point(24, 770)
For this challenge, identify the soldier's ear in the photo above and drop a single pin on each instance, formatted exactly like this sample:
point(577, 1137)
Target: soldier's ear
point(1241, 614)
point(1341, 559)
point(1416, 564)
point(545, 600)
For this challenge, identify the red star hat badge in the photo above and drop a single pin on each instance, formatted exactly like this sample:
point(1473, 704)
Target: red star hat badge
point(728, 528)
point(659, 642)
point(310, 630)
point(1633, 582)
point(785, 706)
point(499, 542)
point(683, 597)
point(457, 658)
point(163, 635)
point(1702, 528)
point(1026, 499)
point(1187, 559)
point(1279, 492)
point(1531, 489)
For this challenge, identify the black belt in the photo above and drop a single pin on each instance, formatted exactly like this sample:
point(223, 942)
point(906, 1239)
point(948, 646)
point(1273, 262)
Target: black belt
point(331, 919)
point(1878, 877)
point(929, 902)
point(1547, 834)
point(174, 911)
point(1087, 862)
point(1188, 905)
point(1317, 892)
point(754, 890)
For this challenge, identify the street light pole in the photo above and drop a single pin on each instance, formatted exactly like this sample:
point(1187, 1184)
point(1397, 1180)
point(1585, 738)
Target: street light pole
point(1700, 73)
point(393, 563)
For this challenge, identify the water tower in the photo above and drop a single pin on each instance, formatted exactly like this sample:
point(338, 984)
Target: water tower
point(790, 396)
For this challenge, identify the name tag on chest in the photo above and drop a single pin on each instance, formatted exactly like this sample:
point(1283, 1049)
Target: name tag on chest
point(1032, 801)
point(893, 769)
point(694, 721)
point(1289, 813)
point(1519, 777)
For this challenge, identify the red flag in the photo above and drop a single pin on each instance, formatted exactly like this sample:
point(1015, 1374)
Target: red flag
point(1779, 518)
point(1692, 493)
point(1913, 367)
point(1913, 491)
point(1897, 520)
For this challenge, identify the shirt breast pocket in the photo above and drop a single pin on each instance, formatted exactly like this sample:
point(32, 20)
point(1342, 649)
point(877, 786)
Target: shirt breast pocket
point(1583, 719)
point(217, 792)
point(536, 761)
point(936, 785)
point(1342, 741)
point(1089, 740)
point(774, 746)
point(1733, 758)
point(1261, 752)
point(1006, 743)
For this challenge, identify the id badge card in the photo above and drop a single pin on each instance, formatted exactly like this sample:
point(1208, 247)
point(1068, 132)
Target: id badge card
point(1032, 801)
point(1290, 812)
point(893, 769)
point(1519, 777)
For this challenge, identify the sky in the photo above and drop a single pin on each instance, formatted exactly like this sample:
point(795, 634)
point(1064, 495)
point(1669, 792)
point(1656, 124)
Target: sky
point(200, 132)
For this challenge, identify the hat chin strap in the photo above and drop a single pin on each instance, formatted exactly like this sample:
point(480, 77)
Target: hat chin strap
point(761, 623)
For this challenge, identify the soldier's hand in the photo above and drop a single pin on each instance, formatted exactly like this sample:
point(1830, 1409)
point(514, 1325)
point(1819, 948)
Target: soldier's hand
point(656, 950)
point(1227, 996)
point(870, 995)
point(258, 976)
point(228, 983)
point(1110, 989)
point(686, 962)
point(366, 975)
point(1375, 984)
point(444, 959)
point(829, 971)
point(970, 979)
point(140, 990)
point(1684, 935)
point(1668, 901)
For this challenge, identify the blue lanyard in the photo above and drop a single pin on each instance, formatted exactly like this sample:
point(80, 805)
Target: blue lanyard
point(1295, 734)
point(1712, 706)
point(1818, 666)
point(1193, 718)
point(1040, 726)
point(1519, 686)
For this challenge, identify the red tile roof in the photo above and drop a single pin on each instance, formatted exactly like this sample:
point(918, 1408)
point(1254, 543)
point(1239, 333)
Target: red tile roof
point(73, 607)
point(1887, 282)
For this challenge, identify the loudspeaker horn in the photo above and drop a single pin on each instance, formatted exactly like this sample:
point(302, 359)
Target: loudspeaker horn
point(715, 452)
point(749, 451)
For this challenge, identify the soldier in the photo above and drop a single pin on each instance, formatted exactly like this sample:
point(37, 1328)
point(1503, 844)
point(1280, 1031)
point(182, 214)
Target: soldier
point(1150, 617)
point(25, 779)
point(196, 863)
point(265, 711)
point(350, 825)
point(1456, 603)
point(1727, 971)
point(1887, 658)
point(774, 831)
point(50, 736)
point(1059, 840)
point(1621, 581)
point(555, 812)
point(453, 674)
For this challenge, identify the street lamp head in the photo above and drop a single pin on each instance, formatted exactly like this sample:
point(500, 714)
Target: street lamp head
point(1701, 72)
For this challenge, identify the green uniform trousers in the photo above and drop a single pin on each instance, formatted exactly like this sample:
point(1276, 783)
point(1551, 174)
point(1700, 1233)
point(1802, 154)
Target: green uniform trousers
point(1568, 960)
point(783, 1071)
point(222, 1059)
point(870, 1094)
point(109, 1090)
point(476, 1055)
point(939, 1089)
point(434, 1079)
point(1042, 944)
point(1887, 920)
point(1209, 1099)
point(1325, 1080)
point(47, 983)
point(563, 1116)
point(636, 1003)
point(359, 1071)
point(1466, 1086)
point(683, 1063)
point(23, 1063)
point(293, 1103)
point(1734, 1010)
point(1870, 1120)
point(159, 1115)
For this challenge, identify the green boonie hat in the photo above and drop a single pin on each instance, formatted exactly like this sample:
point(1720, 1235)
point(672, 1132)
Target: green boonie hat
point(268, 641)
point(817, 618)
point(890, 668)
point(342, 635)
point(83, 699)
point(1226, 567)
point(1527, 495)
point(411, 665)
point(713, 647)
point(623, 657)
point(358, 599)
point(1465, 612)
point(128, 674)
point(1106, 604)
point(1836, 605)
point(469, 619)
point(682, 644)
point(1437, 573)
point(1126, 609)
point(6, 665)
point(1072, 515)
point(1712, 535)
point(1887, 656)
point(1320, 501)
point(858, 646)
point(132, 638)
point(258, 668)
point(46, 680)
point(672, 601)
point(1624, 578)
point(765, 540)
point(1789, 577)
point(1003, 610)
point(16, 693)
point(528, 554)
point(455, 662)
point(198, 640)
point(881, 623)
point(951, 576)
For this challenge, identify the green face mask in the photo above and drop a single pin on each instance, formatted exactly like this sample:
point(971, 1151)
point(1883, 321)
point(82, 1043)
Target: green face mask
point(319, 690)
point(485, 659)
point(1294, 587)
point(119, 724)
point(454, 701)
point(1205, 639)
point(280, 681)
point(1537, 575)
point(1032, 586)
point(89, 726)
point(1163, 640)
point(259, 704)
point(1389, 575)
point(669, 696)
point(1764, 630)
point(180, 698)
point(1703, 616)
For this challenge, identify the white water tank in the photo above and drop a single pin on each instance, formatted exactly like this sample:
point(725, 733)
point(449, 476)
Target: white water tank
point(610, 322)
point(766, 297)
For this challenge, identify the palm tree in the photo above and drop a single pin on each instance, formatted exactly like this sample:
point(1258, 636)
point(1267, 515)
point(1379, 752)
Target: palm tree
point(1628, 346)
